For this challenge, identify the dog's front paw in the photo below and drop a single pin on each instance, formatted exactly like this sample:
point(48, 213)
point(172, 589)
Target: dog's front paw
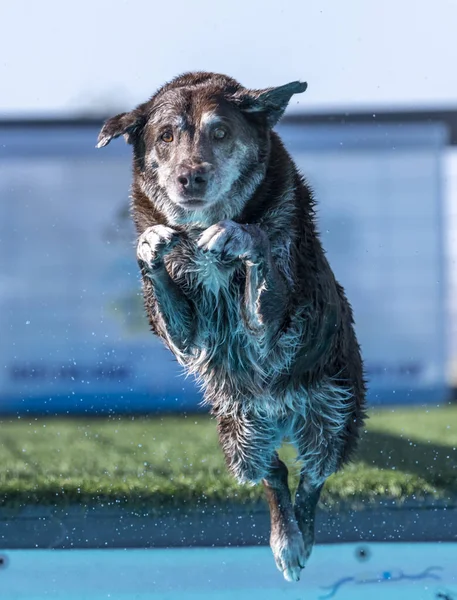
point(228, 241)
point(154, 244)
point(289, 552)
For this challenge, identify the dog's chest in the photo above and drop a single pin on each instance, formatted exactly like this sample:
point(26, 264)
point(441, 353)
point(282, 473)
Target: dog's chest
point(201, 275)
point(216, 292)
point(205, 272)
point(222, 344)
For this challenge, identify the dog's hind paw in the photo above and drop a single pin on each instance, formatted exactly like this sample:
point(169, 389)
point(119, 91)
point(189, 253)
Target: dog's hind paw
point(289, 553)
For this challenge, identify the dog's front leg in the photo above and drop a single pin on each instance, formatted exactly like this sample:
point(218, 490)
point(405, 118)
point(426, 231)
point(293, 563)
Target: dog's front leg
point(266, 296)
point(169, 309)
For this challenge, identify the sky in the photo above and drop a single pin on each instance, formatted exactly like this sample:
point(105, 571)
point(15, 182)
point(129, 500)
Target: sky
point(94, 56)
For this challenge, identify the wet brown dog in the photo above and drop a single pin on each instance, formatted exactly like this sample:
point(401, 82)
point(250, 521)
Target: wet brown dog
point(237, 285)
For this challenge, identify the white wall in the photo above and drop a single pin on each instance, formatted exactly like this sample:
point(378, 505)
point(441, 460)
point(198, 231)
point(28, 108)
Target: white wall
point(450, 183)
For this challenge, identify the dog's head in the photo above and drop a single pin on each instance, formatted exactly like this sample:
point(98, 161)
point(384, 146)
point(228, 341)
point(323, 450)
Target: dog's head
point(201, 143)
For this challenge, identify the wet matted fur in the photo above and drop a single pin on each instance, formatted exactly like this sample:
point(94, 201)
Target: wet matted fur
point(237, 285)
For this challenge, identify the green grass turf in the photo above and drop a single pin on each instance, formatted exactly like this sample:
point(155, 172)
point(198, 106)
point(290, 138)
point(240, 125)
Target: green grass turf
point(405, 453)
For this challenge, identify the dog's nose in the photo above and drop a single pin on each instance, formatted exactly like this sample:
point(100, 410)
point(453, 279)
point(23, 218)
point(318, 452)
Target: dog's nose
point(195, 178)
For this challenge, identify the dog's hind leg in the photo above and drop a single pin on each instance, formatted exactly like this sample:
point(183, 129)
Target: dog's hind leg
point(306, 500)
point(249, 445)
point(286, 541)
point(320, 438)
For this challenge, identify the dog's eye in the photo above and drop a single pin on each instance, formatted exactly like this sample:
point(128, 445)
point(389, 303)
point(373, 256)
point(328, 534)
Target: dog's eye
point(167, 137)
point(219, 133)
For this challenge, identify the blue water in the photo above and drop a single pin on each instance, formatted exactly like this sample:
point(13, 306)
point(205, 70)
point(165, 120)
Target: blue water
point(422, 571)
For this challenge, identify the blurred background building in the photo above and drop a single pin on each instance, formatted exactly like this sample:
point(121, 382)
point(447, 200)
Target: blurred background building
point(375, 135)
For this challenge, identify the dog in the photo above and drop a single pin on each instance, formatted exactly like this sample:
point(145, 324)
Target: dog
point(237, 285)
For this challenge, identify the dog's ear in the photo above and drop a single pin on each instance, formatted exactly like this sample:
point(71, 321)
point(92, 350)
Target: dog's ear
point(126, 124)
point(271, 102)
